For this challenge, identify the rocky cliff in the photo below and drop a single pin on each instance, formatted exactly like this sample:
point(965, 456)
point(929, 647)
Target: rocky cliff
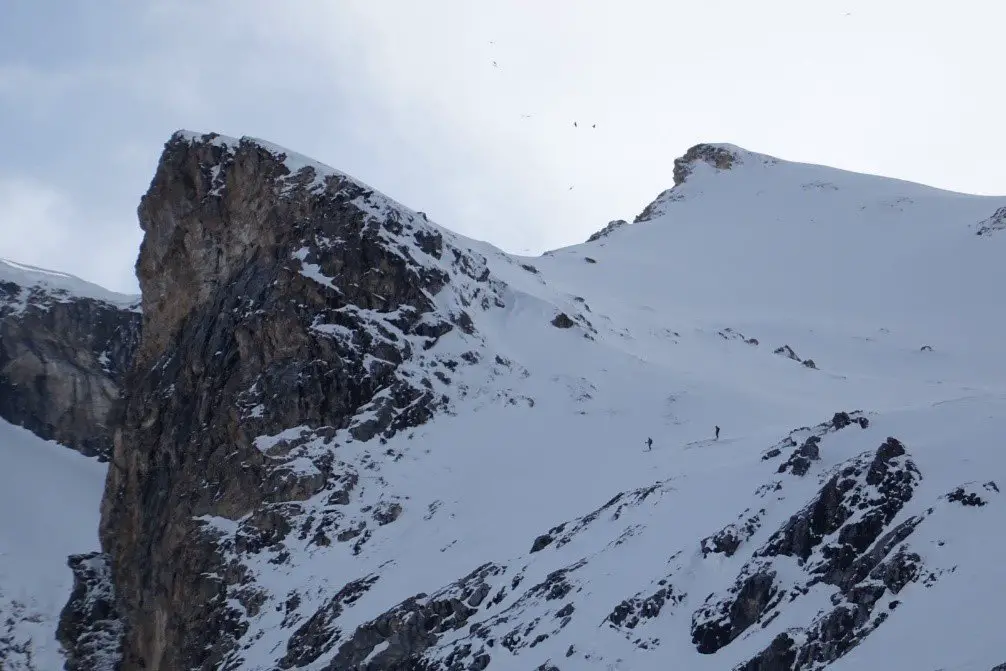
point(287, 309)
point(65, 346)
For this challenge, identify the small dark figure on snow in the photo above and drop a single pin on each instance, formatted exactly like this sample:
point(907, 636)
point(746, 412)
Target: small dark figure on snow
point(649, 444)
point(717, 433)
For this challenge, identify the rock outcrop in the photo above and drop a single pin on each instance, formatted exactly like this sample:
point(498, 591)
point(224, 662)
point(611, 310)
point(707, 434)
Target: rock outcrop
point(853, 509)
point(996, 222)
point(720, 157)
point(90, 628)
point(65, 347)
point(287, 309)
point(609, 228)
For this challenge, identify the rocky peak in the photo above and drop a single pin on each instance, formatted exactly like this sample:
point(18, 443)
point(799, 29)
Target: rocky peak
point(719, 156)
point(65, 346)
point(288, 309)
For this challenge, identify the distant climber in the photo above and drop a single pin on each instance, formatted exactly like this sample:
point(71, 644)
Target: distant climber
point(717, 433)
point(649, 444)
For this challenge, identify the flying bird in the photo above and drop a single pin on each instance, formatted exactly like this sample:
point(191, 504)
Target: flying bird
point(495, 65)
point(594, 126)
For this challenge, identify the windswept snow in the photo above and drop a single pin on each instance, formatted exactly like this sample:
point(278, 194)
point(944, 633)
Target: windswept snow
point(49, 506)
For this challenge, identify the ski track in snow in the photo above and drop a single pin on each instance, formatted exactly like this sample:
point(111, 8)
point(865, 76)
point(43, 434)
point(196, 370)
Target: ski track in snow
point(857, 273)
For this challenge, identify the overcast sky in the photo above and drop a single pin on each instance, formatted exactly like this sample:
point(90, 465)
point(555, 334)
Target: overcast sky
point(404, 95)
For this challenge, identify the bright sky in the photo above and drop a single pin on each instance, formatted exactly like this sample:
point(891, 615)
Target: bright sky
point(405, 96)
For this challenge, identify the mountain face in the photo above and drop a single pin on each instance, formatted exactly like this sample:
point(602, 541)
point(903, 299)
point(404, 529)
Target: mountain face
point(350, 439)
point(65, 346)
point(255, 360)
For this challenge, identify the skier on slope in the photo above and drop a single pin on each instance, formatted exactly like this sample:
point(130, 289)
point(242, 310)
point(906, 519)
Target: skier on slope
point(717, 433)
point(649, 444)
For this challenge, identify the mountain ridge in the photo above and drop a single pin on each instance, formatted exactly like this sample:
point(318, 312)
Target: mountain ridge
point(352, 439)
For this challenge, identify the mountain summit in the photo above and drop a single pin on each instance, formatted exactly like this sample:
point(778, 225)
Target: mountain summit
point(351, 439)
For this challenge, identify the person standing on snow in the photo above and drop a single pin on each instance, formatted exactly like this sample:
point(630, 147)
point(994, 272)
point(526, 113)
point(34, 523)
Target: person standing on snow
point(717, 433)
point(649, 444)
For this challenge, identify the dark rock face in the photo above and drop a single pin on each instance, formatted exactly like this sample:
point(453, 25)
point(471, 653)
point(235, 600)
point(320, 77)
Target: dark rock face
point(631, 612)
point(809, 450)
point(415, 625)
point(62, 362)
point(780, 654)
point(728, 540)
point(718, 157)
point(787, 352)
point(563, 321)
point(829, 539)
point(799, 462)
point(316, 637)
point(541, 542)
point(90, 629)
point(867, 564)
point(866, 582)
point(278, 310)
point(967, 495)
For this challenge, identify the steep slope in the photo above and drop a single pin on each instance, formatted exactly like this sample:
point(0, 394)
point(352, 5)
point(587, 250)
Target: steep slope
point(354, 440)
point(65, 346)
point(49, 499)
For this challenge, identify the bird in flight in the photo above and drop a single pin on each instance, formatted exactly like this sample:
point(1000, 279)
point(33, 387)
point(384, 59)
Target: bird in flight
point(594, 126)
point(495, 65)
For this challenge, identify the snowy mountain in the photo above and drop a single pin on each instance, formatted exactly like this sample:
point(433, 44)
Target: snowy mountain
point(352, 439)
point(65, 345)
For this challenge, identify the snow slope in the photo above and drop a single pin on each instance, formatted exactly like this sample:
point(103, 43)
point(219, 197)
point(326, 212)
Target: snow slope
point(49, 505)
point(58, 286)
point(671, 326)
